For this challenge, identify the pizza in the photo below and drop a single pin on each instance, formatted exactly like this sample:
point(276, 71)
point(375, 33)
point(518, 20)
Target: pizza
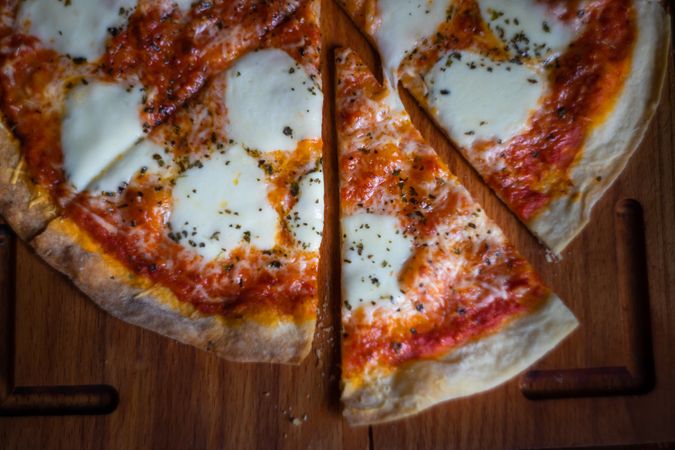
point(547, 99)
point(437, 304)
point(164, 49)
point(167, 156)
point(147, 176)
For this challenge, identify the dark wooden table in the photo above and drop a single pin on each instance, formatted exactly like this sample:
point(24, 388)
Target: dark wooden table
point(73, 377)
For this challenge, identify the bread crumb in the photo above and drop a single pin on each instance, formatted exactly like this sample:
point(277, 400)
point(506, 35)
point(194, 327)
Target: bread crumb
point(552, 257)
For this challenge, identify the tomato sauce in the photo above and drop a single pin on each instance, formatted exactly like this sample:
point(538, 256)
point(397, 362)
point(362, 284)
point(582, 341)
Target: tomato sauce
point(383, 346)
point(28, 109)
point(406, 179)
point(244, 283)
point(585, 83)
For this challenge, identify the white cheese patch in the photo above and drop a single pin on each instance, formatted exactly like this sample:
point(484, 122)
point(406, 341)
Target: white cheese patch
point(272, 103)
point(184, 5)
point(221, 204)
point(475, 98)
point(528, 27)
point(374, 250)
point(101, 121)
point(306, 218)
point(78, 28)
point(146, 157)
point(403, 23)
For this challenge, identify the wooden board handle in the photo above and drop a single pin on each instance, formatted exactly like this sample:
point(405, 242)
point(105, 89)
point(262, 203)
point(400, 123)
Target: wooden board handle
point(6, 311)
point(60, 400)
point(637, 376)
point(634, 291)
point(37, 400)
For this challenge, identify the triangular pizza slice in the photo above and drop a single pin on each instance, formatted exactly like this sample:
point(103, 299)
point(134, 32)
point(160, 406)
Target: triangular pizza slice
point(436, 303)
point(546, 99)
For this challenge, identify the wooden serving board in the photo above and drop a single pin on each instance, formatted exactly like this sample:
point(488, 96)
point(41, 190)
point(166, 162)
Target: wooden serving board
point(73, 377)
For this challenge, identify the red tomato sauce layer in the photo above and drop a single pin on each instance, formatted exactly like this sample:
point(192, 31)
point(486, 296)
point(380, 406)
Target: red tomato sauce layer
point(585, 83)
point(27, 68)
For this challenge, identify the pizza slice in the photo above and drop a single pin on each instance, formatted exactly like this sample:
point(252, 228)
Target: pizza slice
point(547, 99)
point(208, 228)
point(82, 80)
point(437, 304)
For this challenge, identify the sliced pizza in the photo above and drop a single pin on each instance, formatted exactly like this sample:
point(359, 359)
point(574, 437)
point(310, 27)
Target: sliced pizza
point(206, 228)
point(547, 99)
point(81, 81)
point(436, 303)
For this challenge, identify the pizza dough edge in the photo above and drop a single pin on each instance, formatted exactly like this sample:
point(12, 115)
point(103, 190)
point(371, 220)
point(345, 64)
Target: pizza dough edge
point(612, 144)
point(136, 300)
point(26, 207)
point(474, 367)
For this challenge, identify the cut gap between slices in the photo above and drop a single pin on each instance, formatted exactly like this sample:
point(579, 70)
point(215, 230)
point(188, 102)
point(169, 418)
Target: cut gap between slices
point(365, 47)
point(494, 206)
point(328, 318)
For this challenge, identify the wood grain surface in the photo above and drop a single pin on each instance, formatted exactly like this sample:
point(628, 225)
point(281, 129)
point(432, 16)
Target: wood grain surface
point(73, 377)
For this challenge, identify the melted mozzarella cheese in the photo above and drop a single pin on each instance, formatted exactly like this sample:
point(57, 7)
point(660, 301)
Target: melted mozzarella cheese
point(184, 4)
point(272, 103)
point(306, 218)
point(403, 23)
point(78, 28)
point(475, 98)
point(101, 121)
point(374, 250)
point(528, 27)
point(221, 204)
point(146, 157)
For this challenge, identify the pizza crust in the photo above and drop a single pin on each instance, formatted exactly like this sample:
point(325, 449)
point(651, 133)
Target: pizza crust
point(137, 300)
point(611, 145)
point(475, 367)
point(25, 206)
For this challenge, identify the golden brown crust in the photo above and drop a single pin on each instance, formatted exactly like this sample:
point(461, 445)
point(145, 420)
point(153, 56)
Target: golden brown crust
point(137, 300)
point(475, 367)
point(23, 204)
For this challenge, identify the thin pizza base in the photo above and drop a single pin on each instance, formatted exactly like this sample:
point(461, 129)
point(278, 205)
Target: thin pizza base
point(475, 367)
point(610, 145)
point(137, 300)
point(23, 204)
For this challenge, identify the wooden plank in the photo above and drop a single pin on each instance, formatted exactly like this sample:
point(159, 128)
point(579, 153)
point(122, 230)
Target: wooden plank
point(173, 396)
